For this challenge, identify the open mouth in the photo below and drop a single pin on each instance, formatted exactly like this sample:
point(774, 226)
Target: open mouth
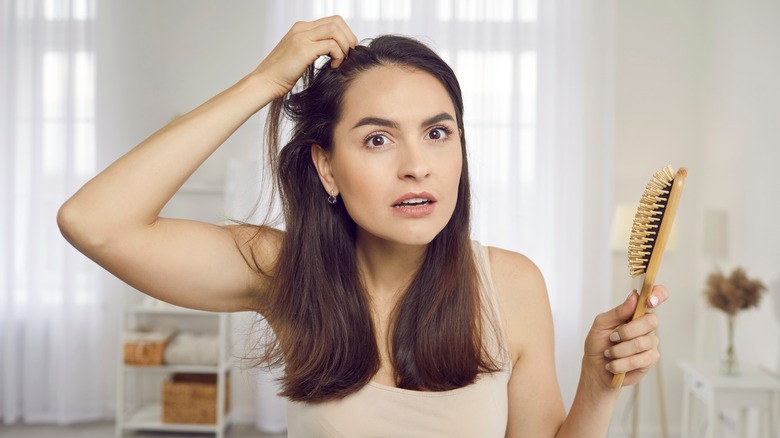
point(414, 202)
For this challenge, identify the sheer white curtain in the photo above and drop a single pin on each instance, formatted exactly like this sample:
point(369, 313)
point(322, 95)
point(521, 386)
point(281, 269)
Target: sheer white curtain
point(536, 82)
point(51, 315)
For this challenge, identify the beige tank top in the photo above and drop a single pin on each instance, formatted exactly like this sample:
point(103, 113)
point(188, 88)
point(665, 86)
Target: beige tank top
point(376, 410)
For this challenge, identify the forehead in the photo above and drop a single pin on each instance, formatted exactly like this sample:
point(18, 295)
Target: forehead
point(396, 93)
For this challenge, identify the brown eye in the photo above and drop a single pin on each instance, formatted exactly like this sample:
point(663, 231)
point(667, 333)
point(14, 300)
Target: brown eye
point(438, 133)
point(376, 141)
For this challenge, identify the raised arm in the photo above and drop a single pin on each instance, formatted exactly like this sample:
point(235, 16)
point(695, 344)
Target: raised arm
point(114, 219)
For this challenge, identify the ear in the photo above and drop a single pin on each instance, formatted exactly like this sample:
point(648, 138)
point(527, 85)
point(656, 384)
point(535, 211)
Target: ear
point(321, 159)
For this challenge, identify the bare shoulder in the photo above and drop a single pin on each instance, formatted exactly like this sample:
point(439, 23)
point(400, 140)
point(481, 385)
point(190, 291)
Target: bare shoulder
point(522, 295)
point(535, 404)
point(514, 274)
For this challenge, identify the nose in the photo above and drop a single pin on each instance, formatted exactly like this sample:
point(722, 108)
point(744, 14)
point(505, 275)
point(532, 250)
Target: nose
point(414, 163)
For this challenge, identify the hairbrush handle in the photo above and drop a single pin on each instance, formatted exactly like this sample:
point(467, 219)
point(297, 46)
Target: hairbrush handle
point(664, 230)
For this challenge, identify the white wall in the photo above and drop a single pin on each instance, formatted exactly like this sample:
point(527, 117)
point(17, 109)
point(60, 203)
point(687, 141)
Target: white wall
point(157, 60)
point(658, 69)
point(741, 117)
point(696, 86)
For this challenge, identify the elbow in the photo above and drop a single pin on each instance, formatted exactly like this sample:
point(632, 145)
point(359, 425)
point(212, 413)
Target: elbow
point(75, 225)
point(66, 221)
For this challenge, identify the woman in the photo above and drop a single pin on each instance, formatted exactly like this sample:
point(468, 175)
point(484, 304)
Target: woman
point(388, 320)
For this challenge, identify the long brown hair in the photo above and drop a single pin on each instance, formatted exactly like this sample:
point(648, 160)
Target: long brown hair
point(317, 304)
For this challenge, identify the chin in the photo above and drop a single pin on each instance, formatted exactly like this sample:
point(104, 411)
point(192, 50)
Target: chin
point(417, 240)
point(417, 234)
point(408, 232)
point(406, 237)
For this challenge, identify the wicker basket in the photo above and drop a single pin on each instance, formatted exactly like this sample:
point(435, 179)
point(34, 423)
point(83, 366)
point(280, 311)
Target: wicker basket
point(146, 347)
point(192, 399)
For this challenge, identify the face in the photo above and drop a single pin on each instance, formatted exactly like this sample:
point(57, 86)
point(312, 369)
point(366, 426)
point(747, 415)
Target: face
point(396, 159)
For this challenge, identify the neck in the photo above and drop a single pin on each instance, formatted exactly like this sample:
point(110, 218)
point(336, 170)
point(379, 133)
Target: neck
point(387, 267)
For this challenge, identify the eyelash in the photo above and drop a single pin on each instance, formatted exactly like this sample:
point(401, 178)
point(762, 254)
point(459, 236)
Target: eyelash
point(371, 136)
point(446, 129)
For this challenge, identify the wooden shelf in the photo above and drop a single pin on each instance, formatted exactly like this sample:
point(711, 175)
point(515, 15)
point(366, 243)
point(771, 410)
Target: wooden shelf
point(149, 417)
point(191, 369)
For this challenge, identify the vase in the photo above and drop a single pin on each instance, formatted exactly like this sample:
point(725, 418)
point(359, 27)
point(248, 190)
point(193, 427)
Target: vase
point(729, 365)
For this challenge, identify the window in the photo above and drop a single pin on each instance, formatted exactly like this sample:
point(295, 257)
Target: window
point(52, 78)
point(491, 45)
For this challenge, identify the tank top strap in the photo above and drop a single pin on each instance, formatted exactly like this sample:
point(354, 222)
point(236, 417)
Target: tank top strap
point(492, 317)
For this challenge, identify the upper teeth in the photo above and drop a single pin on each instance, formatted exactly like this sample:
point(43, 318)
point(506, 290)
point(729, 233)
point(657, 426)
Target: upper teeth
point(414, 201)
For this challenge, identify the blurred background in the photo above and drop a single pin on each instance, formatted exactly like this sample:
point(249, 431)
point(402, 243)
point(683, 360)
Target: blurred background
point(570, 107)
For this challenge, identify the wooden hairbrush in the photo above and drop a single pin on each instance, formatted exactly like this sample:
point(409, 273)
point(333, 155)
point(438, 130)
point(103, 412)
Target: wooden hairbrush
point(652, 225)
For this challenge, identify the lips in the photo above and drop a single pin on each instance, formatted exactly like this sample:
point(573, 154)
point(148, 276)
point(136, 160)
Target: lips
point(414, 200)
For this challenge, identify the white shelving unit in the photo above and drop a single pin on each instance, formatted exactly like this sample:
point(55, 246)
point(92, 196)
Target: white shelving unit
point(139, 388)
point(136, 410)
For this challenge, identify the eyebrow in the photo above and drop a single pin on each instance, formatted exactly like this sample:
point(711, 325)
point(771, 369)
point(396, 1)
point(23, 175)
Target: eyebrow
point(378, 121)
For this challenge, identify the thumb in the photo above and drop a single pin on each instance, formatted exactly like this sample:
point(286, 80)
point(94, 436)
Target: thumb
point(620, 314)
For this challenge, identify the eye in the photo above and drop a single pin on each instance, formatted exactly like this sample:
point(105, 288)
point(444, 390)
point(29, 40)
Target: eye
point(376, 141)
point(438, 133)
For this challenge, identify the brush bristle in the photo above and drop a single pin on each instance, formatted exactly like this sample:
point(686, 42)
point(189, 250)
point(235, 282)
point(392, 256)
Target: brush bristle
point(648, 219)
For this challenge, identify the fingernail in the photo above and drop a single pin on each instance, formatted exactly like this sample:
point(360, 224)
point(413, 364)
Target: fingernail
point(653, 301)
point(614, 337)
point(607, 354)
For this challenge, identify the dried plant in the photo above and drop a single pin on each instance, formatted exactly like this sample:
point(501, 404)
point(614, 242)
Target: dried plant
point(734, 293)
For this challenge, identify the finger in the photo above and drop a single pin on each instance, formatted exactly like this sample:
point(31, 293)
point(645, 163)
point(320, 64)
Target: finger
point(619, 315)
point(333, 31)
point(303, 26)
point(339, 30)
point(332, 49)
point(660, 293)
point(632, 347)
point(635, 376)
point(639, 327)
point(353, 40)
point(643, 360)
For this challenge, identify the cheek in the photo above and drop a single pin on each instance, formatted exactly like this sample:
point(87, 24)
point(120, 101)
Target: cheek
point(360, 189)
point(354, 179)
point(455, 168)
point(454, 174)
point(459, 163)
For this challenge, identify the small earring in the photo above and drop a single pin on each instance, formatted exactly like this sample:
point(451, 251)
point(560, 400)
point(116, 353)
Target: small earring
point(332, 198)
